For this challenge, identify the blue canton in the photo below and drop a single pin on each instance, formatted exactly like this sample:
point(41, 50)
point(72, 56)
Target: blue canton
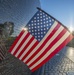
point(39, 25)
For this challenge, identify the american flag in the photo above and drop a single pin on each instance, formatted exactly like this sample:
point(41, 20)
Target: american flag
point(40, 40)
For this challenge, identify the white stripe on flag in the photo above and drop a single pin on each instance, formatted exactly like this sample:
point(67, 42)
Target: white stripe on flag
point(62, 39)
point(35, 49)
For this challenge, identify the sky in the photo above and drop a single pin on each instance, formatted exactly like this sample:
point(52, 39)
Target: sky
point(62, 10)
point(18, 11)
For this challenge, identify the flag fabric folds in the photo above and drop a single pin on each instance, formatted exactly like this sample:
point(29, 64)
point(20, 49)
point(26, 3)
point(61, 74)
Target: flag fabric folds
point(40, 40)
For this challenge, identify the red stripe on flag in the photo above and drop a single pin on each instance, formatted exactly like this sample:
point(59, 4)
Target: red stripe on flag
point(43, 44)
point(26, 46)
point(19, 36)
point(54, 52)
point(21, 43)
point(49, 47)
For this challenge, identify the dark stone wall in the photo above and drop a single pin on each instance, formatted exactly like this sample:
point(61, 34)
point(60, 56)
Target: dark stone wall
point(17, 11)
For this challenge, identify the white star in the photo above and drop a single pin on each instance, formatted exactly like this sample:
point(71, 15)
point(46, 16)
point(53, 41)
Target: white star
point(44, 22)
point(29, 28)
point(52, 19)
point(44, 19)
point(34, 17)
point(41, 26)
point(38, 23)
point(35, 26)
point(40, 11)
point(38, 33)
point(39, 39)
point(29, 24)
point(44, 25)
point(47, 28)
point(49, 17)
point(49, 20)
point(38, 36)
point(44, 28)
point(43, 15)
point(41, 29)
point(32, 24)
point(41, 22)
point(41, 35)
point(50, 24)
point(38, 27)
point(38, 17)
point(46, 14)
point(47, 24)
point(38, 14)
point(41, 32)
point(38, 20)
point(32, 27)
point(32, 21)
point(44, 32)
